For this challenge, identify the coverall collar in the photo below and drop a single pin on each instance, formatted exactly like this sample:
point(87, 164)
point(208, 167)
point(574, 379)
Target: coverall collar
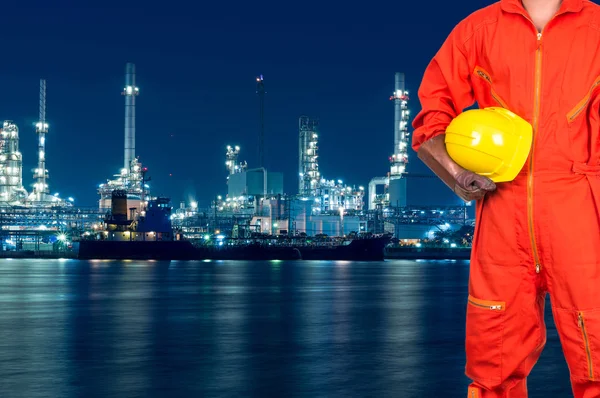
point(517, 6)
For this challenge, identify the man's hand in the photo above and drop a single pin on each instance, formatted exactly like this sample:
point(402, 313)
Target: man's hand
point(466, 184)
point(470, 186)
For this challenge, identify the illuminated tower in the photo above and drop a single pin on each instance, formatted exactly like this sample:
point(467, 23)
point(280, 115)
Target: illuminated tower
point(399, 160)
point(40, 175)
point(309, 175)
point(11, 165)
point(130, 92)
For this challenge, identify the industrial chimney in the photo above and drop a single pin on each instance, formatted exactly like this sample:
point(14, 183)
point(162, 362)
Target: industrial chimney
point(130, 92)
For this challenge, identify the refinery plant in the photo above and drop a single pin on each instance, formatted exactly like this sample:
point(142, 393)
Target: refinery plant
point(255, 202)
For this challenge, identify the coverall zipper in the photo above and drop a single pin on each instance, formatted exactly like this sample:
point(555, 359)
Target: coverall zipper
point(484, 75)
point(536, 114)
point(581, 323)
point(573, 114)
point(488, 305)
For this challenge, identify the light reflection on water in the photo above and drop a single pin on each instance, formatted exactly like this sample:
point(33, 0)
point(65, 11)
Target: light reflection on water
point(225, 328)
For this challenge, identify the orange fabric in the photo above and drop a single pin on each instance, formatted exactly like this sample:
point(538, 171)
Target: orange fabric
point(541, 232)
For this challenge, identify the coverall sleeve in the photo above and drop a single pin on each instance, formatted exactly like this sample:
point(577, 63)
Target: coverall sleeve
point(445, 91)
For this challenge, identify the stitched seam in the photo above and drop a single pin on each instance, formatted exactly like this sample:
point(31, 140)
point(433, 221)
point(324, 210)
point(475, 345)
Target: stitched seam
point(593, 23)
point(477, 28)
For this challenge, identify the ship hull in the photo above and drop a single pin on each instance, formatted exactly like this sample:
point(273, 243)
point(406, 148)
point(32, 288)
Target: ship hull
point(368, 249)
point(135, 250)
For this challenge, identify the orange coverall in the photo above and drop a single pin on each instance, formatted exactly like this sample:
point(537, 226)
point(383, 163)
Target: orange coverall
point(539, 233)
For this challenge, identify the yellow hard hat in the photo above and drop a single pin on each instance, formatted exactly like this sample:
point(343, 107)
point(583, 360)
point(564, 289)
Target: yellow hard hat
point(492, 142)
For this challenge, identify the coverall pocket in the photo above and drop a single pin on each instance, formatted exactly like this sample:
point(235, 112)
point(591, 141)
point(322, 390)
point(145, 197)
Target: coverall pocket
point(579, 332)
point(583, 121)
point(485, 95)
point(484, 336)
point(578, 109)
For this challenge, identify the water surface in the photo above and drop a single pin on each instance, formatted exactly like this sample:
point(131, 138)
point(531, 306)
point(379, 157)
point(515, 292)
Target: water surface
point(241, 329)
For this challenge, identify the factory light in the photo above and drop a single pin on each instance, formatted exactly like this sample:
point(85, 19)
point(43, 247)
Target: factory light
point(62, 237)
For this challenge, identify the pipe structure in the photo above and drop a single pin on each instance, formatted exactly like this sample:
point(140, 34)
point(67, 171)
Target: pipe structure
point(130, 92)
point(373, 190)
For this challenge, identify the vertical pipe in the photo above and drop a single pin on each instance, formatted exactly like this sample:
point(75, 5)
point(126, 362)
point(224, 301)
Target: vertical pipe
point(130, 93)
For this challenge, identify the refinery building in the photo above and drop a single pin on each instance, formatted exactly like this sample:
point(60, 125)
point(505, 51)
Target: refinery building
point(255, 201)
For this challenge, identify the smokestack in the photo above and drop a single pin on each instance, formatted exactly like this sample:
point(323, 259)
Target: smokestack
point(130, 92)
point(398, 93)
point(260, 90)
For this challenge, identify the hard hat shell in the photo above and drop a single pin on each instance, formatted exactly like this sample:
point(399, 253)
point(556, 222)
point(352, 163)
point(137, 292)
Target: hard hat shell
point(492, 142)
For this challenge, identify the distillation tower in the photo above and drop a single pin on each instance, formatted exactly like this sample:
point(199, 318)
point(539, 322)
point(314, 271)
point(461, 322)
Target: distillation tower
point(329, 195)
point(392, 188)
point(399, 159)
point(308, 157)
point(11, 166)
point(40, 174)
point(231, 161)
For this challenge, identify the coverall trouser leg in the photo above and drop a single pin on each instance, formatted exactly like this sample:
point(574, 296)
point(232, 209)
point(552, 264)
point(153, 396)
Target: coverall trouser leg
point(505, 324)
point(505, 336)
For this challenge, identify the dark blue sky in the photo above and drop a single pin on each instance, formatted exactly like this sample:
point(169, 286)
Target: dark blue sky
point(196, 64)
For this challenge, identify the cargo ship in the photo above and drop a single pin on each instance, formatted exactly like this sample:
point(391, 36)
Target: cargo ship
point(149, 235)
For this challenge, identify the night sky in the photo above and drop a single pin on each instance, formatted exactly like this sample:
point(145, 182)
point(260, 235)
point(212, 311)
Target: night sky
point(196, 67)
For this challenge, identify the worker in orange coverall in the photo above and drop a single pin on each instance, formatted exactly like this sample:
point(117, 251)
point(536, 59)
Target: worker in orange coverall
point(540, 232)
